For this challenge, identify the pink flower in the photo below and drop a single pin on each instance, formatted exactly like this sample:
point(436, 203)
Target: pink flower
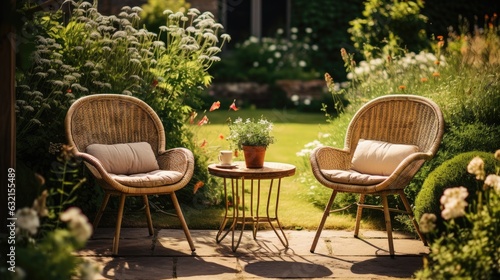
point(203, 121)
point(215, 106)
point(233, 106)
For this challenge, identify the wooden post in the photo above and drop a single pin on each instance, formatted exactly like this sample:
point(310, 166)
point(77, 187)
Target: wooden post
point(7, 109)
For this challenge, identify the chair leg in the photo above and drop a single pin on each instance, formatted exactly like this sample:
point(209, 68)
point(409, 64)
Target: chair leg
point(98, 216)
point(323, 220)
point(359, 213)
point(412, 218)
point(388, 226)
point(148, 214)
point(118, 227)
point(183, 221)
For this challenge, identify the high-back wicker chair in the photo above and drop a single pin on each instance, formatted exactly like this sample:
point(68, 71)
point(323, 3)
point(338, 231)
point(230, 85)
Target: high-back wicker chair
point(387, 141)
point(122, 142)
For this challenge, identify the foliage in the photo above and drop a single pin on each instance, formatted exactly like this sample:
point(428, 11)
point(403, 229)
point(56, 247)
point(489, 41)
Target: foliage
point(449, 174)
point(49, 231)
point(448, 15)
point(330, 21)
point(269, 59)
point(467, 248)
point(152, 12)
point(92, 53)
point(250, 132)
point(388, 24)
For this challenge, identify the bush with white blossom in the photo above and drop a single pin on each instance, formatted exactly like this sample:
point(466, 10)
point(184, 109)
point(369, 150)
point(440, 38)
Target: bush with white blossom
point(49, 254)
point(468, 247)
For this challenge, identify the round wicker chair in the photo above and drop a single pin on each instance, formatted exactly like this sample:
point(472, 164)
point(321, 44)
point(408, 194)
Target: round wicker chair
point(111, 120)
point(406, 121)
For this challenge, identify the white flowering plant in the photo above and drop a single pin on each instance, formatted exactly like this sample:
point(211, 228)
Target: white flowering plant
point(73, 52)
point(250, 132)
point(469, 246)
point(48, 233)
point(265, 60)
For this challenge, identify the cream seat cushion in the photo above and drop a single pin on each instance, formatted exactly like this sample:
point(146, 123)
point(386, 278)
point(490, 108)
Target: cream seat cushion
point(150, 179)
point(126, 158)
point(352, 177)
point(378, 157)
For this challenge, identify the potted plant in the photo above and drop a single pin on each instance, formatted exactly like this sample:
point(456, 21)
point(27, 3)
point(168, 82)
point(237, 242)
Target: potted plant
point(252, 136)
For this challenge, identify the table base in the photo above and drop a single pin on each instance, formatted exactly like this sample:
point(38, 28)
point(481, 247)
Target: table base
point(239, 213)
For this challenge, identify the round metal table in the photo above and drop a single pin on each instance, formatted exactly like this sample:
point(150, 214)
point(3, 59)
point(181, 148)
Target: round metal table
point(235, 208)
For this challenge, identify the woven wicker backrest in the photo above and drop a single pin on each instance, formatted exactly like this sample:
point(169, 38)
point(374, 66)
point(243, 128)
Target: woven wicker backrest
point(112, 119)
point(400, 119)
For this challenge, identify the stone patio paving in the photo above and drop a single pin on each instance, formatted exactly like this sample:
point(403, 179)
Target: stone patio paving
point(338, 255)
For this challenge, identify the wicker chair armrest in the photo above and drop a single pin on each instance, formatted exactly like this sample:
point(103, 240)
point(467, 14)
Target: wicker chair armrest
point(177, 159)
point(330, 158)
point(415, 157)
point(95, 163)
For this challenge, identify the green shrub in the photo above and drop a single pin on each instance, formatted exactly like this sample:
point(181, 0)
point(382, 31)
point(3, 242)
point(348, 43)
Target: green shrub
point(152, 12)
point(386, 26)
point(330, 21)
point(466, 245)
point(452, 173)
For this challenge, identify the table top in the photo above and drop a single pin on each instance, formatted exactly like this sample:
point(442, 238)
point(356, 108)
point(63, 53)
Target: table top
point(271, 170)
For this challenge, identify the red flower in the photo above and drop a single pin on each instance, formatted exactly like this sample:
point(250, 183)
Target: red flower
point(221, 136)
point(198, 186)
point(203, 121)
point(215, 106)
point(204, 143)
point(233, 106)
point(69, 90)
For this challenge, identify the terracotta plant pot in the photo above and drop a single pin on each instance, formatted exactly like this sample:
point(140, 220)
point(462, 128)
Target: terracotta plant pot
point(254, 156)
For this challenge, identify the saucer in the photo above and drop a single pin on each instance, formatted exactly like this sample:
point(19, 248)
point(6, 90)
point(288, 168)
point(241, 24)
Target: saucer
point(227, 166)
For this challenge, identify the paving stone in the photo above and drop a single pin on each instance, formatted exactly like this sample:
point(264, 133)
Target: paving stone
point(338, 255)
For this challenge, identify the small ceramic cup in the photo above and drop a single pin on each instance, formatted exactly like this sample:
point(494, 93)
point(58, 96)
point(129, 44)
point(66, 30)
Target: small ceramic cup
point(226, 157)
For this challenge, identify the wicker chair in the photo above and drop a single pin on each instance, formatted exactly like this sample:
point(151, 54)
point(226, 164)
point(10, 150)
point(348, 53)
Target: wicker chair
point(387, 142)
point(111, 132)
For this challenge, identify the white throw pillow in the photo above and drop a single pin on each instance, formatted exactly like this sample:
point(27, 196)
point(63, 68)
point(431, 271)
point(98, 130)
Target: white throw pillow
point(126, 158)
point(378, 157)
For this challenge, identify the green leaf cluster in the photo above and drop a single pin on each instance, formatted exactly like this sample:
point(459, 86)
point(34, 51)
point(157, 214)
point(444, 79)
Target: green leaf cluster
point(388, 25)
